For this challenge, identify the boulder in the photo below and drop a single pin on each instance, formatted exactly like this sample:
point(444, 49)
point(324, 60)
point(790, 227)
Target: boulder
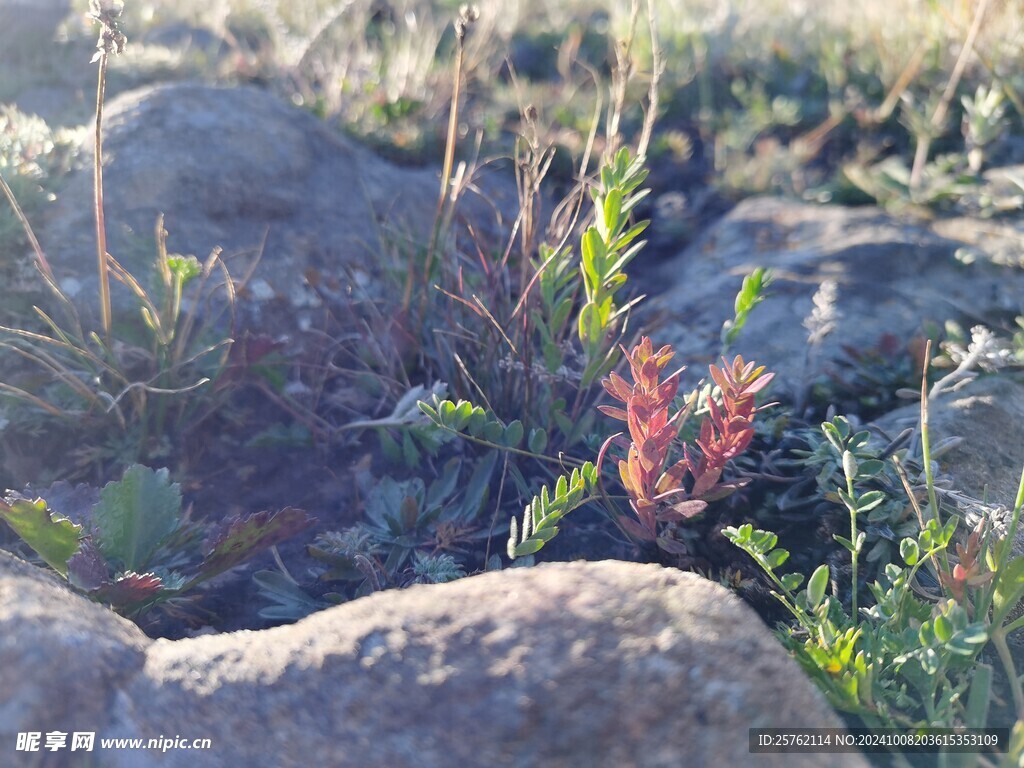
point(988, 415)
point(62, 658)
point(890, 276)
point(576, 664)
point(238, 168)
point(27, 25)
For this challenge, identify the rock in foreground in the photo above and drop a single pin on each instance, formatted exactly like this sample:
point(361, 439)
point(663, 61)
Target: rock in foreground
point(578, 664)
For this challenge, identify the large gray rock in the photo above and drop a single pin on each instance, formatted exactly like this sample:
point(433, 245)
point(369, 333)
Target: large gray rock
point(890, 276)
point(62, 658)
point(576, 664)
point(239, 169)
point(28, 25)
point(988, 414)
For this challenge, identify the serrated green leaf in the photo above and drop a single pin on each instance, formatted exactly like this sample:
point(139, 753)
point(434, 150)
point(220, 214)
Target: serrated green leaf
point(135, 515)
point(55, 539)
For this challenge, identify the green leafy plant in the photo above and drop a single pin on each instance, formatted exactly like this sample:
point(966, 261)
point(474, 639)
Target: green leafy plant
point(751, 293)
point(606, 248)
point(133, 546)
point(137, 391)
point(911, 656)
point(94, 380)
point(541, 516)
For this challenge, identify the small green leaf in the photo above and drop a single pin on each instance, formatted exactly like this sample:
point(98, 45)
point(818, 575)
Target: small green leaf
point(492, 432)
point(477, 422)
point(792, 581)
point(869, 501)
point(776, 558)
point(845, 542)
point(869, 468)
point(816, 586)
point(513, 434)
point(538, 440)
point(1009, 589)
point(849, 466)
point(463, 411)
point(184, 267)
point(943, 629)
point(528, 547)
point(430, 412)
point(909, 551)
point(447, 412)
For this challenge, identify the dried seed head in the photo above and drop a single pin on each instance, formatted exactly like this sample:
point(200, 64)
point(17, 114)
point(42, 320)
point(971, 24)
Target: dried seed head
point(467, 15)
point(111, 40)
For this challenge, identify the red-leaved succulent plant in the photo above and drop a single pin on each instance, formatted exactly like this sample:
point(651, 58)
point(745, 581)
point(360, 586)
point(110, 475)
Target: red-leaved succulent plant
point(657, 494)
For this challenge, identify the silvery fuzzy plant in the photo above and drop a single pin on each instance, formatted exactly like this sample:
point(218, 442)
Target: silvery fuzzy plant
point(411, 533)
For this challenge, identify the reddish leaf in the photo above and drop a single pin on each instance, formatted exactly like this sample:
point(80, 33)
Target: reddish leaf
point(129, 589)
point(723, 490)
point(683, 510)
point(666, 391)
point(634, 529)
point(627, 482)
point(673, 476)
point(758, 384)
point(244, 537)
point(706, 481)
point(650, 457)
point(611, 410)
point(672, 546)
point(87, 569)
point(719, 377)
point(617, 387)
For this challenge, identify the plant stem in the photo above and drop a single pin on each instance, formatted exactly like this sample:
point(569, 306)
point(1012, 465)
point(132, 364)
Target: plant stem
point(939, 116)
point(855, 552)
point(1006, 657)
point(101, 229)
